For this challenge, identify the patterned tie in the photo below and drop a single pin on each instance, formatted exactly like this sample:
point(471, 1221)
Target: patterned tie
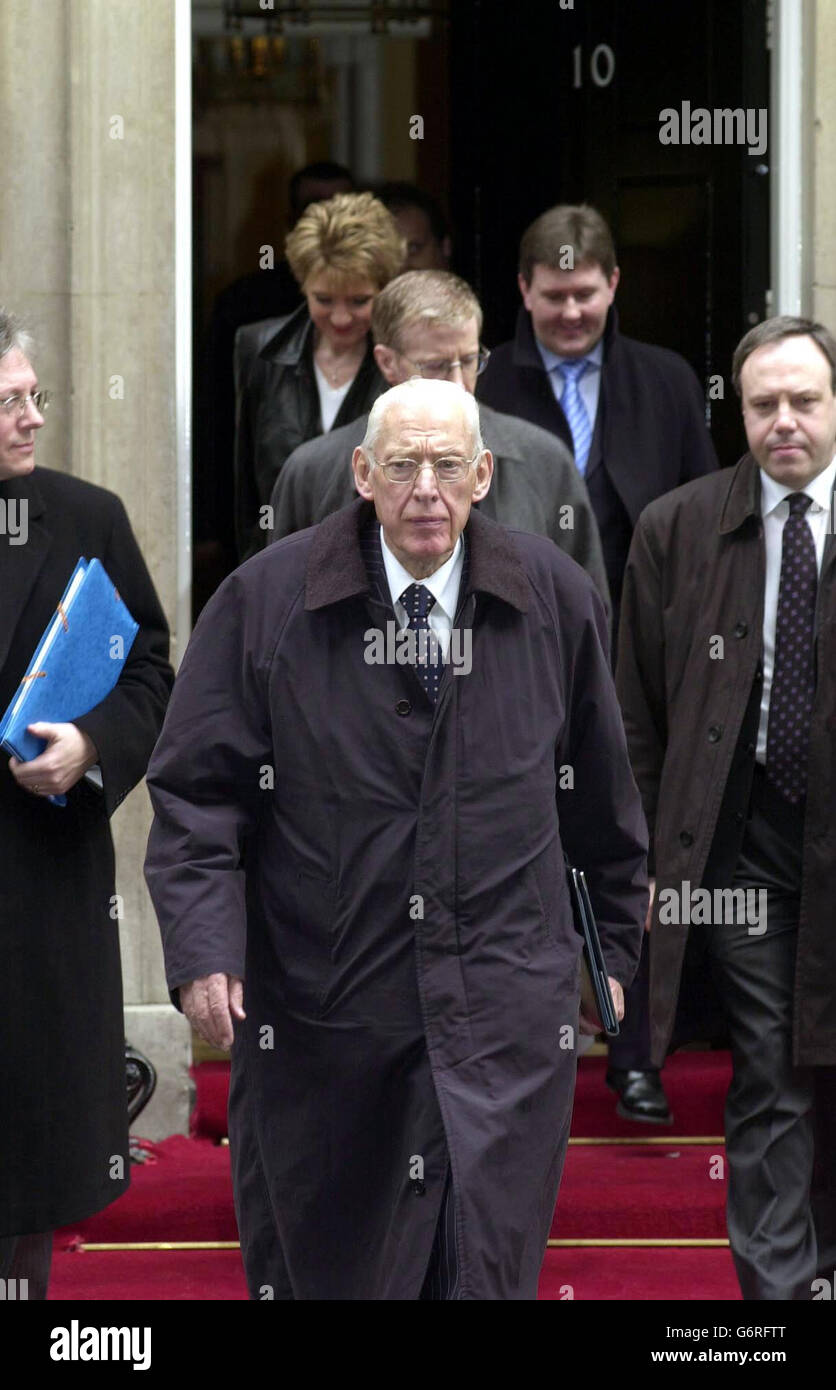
point(417, 600)
point(575, 410)
point(793, 679)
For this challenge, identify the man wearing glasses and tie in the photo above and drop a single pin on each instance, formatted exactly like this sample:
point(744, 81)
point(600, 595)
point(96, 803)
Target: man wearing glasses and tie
point(63, 1110)
point(358, 871)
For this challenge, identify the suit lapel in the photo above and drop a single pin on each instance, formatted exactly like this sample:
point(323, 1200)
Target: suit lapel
point(20, 565)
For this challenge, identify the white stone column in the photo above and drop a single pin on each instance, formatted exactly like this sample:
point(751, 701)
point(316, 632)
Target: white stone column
point(87, 232)
point(823, 230)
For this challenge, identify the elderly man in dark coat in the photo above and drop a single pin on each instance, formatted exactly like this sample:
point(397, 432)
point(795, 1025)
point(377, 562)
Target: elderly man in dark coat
point(386, 732)
point(428, 323)
point(728, 685)
point(63, 1102)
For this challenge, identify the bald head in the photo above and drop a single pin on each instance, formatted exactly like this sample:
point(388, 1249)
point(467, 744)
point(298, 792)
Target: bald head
point(445, 399)
point(423, 464)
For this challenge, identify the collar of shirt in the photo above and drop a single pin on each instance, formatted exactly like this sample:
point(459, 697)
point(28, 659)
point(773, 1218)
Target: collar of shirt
point(551, 359)
point(443, 584)
point(819, 490)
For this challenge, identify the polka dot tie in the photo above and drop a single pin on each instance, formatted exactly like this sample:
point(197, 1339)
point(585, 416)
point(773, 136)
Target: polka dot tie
point(575, 411)
point(417, 600)
point(793, 679)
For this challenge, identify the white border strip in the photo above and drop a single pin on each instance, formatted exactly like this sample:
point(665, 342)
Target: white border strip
point(183, 316)
point(790, 184)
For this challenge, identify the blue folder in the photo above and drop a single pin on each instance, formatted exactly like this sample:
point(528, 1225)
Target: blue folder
point(76, 663)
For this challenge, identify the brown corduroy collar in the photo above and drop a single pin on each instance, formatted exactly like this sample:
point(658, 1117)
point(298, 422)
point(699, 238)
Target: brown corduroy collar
point(336, 569)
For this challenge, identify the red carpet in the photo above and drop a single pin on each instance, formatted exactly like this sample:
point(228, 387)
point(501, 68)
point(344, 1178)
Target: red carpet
point(695, 1084)
point(185, 1195)
point(641, 1193)
point(615, 1192)
point(208, 1119)
point(638, 1275)
point(148, 1274)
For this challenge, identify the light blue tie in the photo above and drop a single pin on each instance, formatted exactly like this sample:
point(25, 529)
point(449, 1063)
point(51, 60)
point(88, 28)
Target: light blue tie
point(575, 410)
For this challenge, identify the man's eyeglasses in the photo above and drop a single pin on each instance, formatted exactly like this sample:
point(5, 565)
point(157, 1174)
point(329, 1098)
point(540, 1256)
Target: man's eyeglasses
point(471, 365)
point(16, 405)
point(447, 470)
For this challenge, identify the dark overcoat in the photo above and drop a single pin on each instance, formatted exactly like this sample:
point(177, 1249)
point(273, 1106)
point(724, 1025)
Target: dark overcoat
point(63, 1103)
point(649, 436)
point(277, 409)
point(387, 875)
point(695, 575)
point(535, 486)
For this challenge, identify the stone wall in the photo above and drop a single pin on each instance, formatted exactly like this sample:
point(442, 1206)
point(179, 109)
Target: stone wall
point(87, 255)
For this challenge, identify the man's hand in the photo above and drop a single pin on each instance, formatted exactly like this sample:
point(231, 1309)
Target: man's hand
point(69, 755)
point(211, 1003)
point(652, 887)
point(589, 1022)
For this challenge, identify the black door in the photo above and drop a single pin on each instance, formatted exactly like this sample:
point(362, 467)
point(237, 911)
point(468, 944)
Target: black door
point(552, 104)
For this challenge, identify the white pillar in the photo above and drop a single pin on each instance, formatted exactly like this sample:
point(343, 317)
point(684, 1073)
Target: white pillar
point(95, 249)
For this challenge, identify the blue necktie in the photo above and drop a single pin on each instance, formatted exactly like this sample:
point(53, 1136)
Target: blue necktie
point(575, 410)
point(793, 679)
point(417, 600)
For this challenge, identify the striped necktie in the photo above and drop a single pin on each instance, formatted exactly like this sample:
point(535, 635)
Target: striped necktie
point(575, 410)
point(417, 600)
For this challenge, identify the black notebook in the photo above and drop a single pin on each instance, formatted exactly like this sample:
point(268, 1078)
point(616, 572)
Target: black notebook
point(593, 955)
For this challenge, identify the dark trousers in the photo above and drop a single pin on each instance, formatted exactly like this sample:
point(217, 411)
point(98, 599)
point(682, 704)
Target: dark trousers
point(26, 1258)
point(780, 1130)
point(441, 1282)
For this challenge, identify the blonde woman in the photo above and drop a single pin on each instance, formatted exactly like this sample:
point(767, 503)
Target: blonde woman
point(300, 376)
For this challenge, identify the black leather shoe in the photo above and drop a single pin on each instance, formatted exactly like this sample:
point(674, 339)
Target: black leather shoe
point(640, 1096)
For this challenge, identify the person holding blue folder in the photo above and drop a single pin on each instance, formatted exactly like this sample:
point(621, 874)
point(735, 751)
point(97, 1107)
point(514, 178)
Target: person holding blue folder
point(63, 1104)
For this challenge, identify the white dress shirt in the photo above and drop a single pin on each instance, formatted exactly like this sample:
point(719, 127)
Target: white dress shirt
point(775, 510)
point(589, 386)
point(443, 585)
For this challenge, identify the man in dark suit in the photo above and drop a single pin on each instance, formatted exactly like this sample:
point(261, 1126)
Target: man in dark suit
point(728, 686)
point(63, 1105)
point(428, 323)
point(634, 415)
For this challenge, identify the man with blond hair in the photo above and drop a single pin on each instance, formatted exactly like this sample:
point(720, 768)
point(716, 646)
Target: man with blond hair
point(427, 323)
point(357, 863)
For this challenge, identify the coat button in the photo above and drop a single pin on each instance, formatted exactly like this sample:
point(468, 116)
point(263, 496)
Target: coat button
point(418, 1187)
point(686, 839)
point(738, 817)
point(403, 707)
point(741, 629)
point(715, 733)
